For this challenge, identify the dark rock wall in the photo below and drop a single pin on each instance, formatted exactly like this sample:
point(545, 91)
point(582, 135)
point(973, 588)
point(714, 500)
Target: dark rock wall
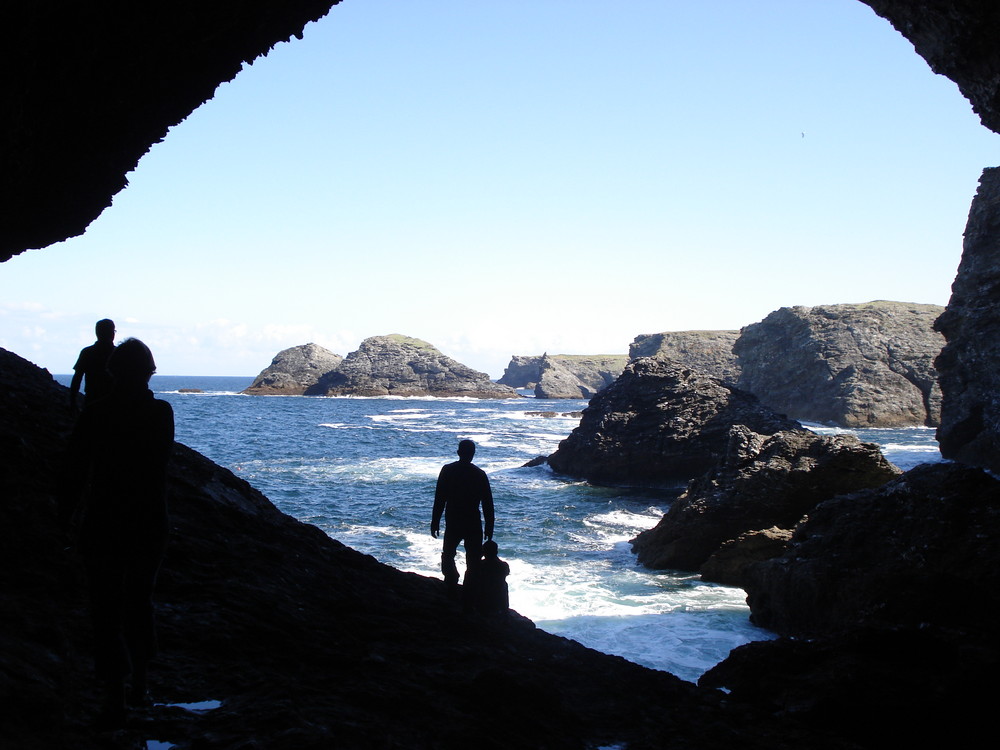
point(969, 366)
point(89, 87)
point(863, 365)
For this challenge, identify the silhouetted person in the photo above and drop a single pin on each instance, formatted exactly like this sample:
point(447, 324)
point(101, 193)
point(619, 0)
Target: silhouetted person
point(117, 481)
point(461, 488)
point(93, 364)
point(488, 583)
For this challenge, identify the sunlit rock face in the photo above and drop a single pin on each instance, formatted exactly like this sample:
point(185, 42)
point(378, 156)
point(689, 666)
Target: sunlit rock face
point(88, 88)
point(969, 366)
point(858, 365)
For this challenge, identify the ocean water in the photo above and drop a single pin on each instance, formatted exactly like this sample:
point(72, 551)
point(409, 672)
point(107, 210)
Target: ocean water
point(364, 469)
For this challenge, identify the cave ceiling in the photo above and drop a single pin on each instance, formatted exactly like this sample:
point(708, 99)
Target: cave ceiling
point(90, 87)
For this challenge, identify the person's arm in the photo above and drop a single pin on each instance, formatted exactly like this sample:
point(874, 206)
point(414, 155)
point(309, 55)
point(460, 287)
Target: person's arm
point(487, 508)
point(439, 503)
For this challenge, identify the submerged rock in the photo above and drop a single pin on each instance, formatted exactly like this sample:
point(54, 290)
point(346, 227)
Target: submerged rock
point(293, 371)
point(708, 351)
point(396, 365)
point(659, 424)
point(763, 482)
point(864, 365)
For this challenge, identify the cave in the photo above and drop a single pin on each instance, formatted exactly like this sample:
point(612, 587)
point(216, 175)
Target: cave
point(79, 119)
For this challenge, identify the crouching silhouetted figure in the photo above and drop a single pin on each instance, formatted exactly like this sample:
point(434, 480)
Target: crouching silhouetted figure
point(116, 487)
point(486, 584)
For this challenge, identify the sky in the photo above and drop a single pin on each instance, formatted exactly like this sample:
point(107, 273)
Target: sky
point(519, 177)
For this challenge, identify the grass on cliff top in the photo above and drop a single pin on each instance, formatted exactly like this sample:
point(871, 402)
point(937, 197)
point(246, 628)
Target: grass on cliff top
point(398, 338)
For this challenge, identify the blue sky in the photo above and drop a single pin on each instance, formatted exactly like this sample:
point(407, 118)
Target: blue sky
point(521, 177)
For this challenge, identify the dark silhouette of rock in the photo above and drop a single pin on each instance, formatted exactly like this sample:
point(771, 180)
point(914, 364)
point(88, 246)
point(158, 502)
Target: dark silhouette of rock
point(293, 371)
point(969, 365)
point(708, 351)
point(922, 548)
point(763, 481)
point(727, 563)
point(396, 365)
point(564, 375)
point(114, 78)
point(864, 365)
point(659, 424)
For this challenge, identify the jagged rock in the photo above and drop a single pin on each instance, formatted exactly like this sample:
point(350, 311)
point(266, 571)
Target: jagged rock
point(659, 424)
point(863, 365)
point(924, 548)
point(564, 375)
point(727, 563)
point(763, 481)
point(396, 365)
point(306, 642)
point(293, 371)
point(709, 351)
point(969, 365)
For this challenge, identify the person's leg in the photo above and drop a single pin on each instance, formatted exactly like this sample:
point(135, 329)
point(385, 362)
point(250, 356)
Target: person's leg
point(451, 539)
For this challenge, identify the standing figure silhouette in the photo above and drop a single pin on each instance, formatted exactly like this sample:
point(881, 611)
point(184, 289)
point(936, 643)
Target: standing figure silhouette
point(93, 364)
point(117, 477)
point(461, 488)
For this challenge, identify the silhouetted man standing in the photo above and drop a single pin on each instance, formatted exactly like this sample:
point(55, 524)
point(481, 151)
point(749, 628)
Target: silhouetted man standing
point(461, 488)
point(93, 363)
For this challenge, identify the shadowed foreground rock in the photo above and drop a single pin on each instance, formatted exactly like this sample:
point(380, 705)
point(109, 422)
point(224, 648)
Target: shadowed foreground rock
point(306, 642)
point(764, 481)
point(659, 424)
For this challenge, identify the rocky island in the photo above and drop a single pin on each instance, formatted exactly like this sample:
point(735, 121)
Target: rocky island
point(293, 371)
point(564, 375)
point(397, 365)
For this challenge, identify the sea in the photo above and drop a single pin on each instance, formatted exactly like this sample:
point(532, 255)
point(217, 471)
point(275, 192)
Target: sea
point(363, 470)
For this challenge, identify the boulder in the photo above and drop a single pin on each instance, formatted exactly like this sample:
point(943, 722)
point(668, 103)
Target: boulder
point(726, 565)
point(709, 351)
point(763, 482)
point(660, 424)
point(857, 365)
point(564, 375)
point(396, 365)
point(969, 365)
point(293, 371)
point(924, 548)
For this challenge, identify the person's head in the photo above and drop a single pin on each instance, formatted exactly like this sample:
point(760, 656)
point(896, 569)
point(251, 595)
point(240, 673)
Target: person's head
point(490, 548)
point(131, 363)
point(466, 450)
point(105, 330)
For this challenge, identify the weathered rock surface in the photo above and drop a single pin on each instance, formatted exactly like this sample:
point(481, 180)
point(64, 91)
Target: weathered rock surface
point(863, 365)
point(969, 365)
point(396, 365)
point(564, 375)
point(763, 481)
point(306, 642)
point(293, 371)
point(708, 351)
point(659, 424)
